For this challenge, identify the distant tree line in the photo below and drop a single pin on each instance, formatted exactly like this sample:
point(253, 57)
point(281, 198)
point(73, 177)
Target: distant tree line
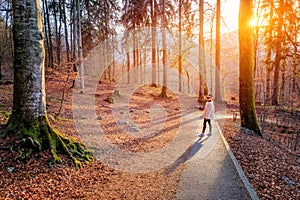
point(67, 23)
point(277, 45)
point(73, 28)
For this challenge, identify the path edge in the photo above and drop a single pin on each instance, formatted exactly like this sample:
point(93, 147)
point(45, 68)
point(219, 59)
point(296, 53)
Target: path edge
point(239, 169)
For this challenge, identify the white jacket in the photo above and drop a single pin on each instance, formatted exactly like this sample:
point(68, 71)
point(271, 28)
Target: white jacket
point(209, 110)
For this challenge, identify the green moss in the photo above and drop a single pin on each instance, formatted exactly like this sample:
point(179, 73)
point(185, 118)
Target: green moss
point(5, 114)
point(8, 92)
point(38, 135)
point(62, 118)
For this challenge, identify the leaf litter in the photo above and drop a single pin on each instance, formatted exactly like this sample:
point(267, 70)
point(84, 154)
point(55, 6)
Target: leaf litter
point(273, 171)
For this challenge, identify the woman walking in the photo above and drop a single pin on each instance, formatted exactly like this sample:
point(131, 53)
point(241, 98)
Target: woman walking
point(209, 111)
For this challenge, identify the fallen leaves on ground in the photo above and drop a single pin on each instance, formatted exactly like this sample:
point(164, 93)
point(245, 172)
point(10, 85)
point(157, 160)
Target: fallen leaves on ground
point(274, 172)
point(36, 179)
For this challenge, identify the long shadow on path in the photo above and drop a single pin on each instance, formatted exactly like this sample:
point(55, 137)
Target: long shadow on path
point(209, 175)
point(188, 154)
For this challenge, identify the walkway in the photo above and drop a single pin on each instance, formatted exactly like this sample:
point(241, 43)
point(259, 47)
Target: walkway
point(213, 174)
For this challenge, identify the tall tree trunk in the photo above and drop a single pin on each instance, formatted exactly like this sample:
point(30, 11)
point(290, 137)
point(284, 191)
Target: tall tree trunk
point(158, 66)
point(275, 92)
point(141, 62)
point(0, 62)
point(80, 56)
point(180, 48)
point(28, 122)
point(201, 53)
point(278, 55)
point(136, 49)
point(282, 85)
point(294, 69)
point(257, 74)
point(66, 32)
point(49, 37)
point(218, 96)
point(268, 85)
point(128, 62)
point(269, 64)
point(47, 60)
point(145, 65)
point(75, 35)
point(29, 87)
point(134, 56)
point(60, 34)
point(72, 38)
point(164, 46)
point(246, 48)
point(211, 54)
point(57, 36)
point(113, 38)
point(154, 45)
point(8, 35)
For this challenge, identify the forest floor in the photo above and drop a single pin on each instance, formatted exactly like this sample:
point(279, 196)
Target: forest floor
point(273, 170)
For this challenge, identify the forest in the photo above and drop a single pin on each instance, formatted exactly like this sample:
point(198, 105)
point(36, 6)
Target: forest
point(84, 82)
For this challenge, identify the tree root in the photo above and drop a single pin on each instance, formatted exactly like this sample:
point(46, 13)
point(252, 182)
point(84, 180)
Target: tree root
point(39, 135)
point(163, 93)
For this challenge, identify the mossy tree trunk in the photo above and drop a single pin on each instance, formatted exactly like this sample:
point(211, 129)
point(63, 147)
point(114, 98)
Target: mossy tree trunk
point(28, 122)
point(247, 105)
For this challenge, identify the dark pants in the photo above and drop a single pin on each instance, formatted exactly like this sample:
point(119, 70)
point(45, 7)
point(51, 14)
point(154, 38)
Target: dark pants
point(204, 125)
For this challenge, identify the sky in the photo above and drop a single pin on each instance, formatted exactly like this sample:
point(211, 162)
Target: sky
point(229, 11)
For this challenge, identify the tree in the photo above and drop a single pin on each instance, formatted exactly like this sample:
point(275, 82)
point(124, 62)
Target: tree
point(246, 49)
point(201, 53)
point(153, 8)
point(278, 57)
point(75, 35)
point(80, 53)
point(268, 60)
point(218, 96)
point(48, 35)
point(180, 46)
point(279, 26)
point(0, 63)
point(64, 15)
point(135, 16)
point(6, 51)
point(29, 123)
point(163, 93)
point(1, 51)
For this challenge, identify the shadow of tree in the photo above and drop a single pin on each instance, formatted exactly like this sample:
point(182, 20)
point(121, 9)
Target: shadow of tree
point(188, 154)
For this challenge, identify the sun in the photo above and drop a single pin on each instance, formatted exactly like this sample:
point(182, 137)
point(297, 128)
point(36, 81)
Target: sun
point(253, 22)
point(258, 22)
